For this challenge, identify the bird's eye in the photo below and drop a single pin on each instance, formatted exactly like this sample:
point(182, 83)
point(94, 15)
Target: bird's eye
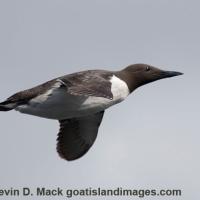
point(147, 68)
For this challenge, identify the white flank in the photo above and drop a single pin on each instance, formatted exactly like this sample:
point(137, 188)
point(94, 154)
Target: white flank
point(57, 103)
point(43, 97)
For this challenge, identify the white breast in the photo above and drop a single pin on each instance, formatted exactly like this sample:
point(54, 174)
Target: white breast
point(119, 88)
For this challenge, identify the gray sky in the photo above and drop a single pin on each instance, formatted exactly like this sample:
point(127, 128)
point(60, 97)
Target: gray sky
point(151, 140)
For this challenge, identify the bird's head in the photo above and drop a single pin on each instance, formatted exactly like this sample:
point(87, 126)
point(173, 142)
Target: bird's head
point(141, 74)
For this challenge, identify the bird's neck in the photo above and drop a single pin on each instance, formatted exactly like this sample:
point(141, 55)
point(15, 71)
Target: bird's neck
point(129, 79)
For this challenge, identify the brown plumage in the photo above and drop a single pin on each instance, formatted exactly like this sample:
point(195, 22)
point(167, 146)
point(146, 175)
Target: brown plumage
point(78, 102)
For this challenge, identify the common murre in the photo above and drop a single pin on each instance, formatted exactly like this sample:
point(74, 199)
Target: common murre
point(79, 100)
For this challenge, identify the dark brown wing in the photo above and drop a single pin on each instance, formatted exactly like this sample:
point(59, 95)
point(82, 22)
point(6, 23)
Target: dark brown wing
point(77, 135)
point(86, 83)
point(89, 83)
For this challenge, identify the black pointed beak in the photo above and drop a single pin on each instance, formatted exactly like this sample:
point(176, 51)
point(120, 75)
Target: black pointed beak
point(168, 74)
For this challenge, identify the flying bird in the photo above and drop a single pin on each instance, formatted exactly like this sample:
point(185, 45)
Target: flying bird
point(78, 102)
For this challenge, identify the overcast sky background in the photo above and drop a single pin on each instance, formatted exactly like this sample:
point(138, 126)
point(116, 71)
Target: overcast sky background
point(151, 140)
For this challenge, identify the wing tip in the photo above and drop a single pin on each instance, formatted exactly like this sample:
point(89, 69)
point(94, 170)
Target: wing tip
point(68, 158)
point(6, 106)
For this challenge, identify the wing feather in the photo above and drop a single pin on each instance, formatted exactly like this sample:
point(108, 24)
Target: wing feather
point(89, 83)
point(77, 135)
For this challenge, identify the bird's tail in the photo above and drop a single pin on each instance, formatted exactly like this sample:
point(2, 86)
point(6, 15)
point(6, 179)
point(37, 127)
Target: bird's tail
point(7, 105)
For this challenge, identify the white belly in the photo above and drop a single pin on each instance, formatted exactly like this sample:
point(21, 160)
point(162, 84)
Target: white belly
point(58, 104)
